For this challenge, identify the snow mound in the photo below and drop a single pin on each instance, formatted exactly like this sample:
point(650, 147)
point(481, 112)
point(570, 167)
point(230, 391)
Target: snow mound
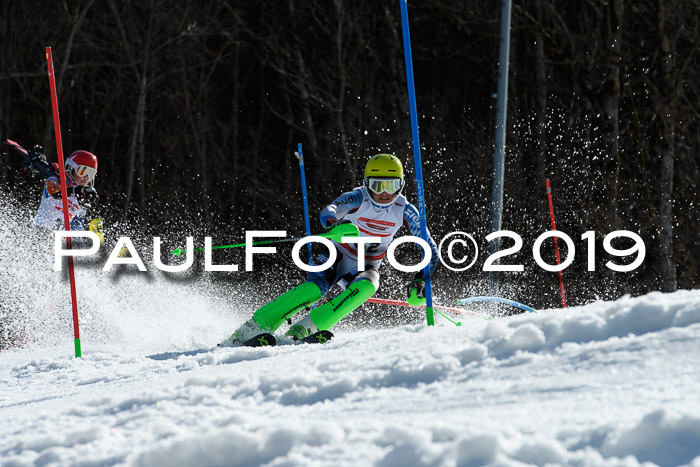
point(552, 329)
point(610, 383)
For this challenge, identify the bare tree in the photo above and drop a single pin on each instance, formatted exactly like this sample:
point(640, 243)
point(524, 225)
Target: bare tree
point(674, 67)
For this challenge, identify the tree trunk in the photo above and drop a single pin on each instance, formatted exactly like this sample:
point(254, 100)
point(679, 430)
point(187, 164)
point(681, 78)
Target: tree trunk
point(541, 111)
point(137, 148)
point(235, 119)
point(61, 73)
point(667, 117)
point(399, 106)
point(136, 145)
point(610, 103)
point(302, 79)
point(4, 52)
point(349, 161)
point(141, 163)
point(79, 17)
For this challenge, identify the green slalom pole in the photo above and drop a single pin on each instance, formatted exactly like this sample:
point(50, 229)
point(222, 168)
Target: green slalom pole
point(456, 323)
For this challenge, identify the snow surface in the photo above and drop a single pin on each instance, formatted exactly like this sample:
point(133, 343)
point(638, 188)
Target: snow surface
point(609, 383)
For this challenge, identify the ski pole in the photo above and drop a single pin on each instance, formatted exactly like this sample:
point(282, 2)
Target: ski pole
point(556, 244)
point(336, 233)
point(34, 162)
point(300, 156)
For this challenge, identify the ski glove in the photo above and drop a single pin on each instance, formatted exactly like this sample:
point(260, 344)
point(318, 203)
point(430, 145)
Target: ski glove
point(34, 155)
point(416, 292)
point(87, 194)
point(332, 222)
point(37, 152)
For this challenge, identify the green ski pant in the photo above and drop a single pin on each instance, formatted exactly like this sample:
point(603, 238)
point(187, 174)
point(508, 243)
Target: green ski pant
point(271, 316)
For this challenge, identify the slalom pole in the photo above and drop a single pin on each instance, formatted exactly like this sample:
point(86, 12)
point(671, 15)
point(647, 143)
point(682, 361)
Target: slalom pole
point(64, 196)
point(430, 316)
point(449, 309)
point(463, 301)
point(300, 156)
point(438, 309)
point(556, 244)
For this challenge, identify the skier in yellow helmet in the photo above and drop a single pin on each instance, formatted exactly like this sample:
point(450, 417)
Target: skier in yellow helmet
point(378, 209)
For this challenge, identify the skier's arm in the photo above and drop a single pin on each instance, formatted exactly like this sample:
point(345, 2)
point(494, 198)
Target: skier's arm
point(53, 187)
point(340, 207)
point(412, 220)
point(86, 194)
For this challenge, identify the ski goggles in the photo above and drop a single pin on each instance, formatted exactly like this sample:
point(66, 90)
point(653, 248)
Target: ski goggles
point(380, 185)
point(83, 170)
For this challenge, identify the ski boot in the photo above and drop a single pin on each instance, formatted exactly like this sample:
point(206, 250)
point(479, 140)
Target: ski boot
point(250, 334)
point(302, 329)
point(306, 332)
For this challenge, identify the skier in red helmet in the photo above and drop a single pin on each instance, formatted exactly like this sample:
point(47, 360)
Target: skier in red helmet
point(81, 169)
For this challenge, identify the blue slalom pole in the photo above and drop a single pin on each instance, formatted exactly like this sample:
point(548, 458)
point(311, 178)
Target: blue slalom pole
point(430, 316)
point(463, 301)
point(300, 156)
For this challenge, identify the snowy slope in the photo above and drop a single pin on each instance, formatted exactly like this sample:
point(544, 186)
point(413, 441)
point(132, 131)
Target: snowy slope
point(604, 384)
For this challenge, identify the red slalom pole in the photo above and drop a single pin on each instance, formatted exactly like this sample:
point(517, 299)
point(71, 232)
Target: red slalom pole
point(556, 244)
point(64, 196)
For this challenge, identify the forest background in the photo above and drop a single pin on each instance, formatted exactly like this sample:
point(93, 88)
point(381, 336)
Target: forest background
point(195, 108)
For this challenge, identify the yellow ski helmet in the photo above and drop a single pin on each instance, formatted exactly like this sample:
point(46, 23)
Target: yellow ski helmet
point(384, 173)
point(384, 165)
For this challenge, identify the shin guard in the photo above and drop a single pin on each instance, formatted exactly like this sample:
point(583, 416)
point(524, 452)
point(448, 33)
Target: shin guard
point(327, 315)
point(271, 316)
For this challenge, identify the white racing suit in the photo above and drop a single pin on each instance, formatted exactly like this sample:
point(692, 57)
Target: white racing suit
point(50, 214)
point(372, 221)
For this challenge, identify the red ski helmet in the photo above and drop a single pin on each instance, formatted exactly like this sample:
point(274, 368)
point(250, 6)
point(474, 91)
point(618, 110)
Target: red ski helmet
point(82, 163)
